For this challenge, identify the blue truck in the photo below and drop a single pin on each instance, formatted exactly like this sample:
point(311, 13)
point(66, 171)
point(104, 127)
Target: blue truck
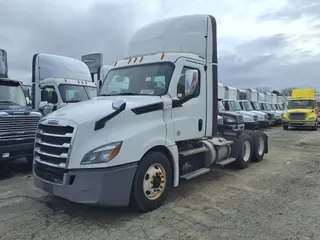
point(18, 122)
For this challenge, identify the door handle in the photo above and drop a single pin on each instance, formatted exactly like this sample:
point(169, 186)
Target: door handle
point(200, 125)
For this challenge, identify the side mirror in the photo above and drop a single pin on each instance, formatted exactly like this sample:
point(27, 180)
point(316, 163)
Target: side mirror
point(191, 82)
point(119, 104)
point(45, 106)
point(28, 101)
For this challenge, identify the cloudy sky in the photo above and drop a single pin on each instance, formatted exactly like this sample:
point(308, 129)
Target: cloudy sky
point(274, 43)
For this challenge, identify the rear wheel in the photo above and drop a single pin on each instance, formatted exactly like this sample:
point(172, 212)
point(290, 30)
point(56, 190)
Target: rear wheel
point(258, 145)
point(244, 151)
point(152, 182)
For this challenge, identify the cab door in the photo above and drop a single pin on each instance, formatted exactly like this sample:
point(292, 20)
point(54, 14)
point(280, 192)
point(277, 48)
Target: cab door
point(189, 118)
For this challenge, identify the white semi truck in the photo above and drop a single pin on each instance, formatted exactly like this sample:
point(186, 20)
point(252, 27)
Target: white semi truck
point(231, 103)
point(133, 145)
point(58, 81)
point(253, 98)
point(246, 106)
point(265, 100)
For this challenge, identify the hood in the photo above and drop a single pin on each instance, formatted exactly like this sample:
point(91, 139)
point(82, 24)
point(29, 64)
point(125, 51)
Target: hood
point(248, 114)
point(25, 111)
point(260, 114)
point(99, 107)
point(304, 110)
point(229, 114)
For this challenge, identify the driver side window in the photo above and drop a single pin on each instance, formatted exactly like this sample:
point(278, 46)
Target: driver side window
point(49, 94)
point(181, 84)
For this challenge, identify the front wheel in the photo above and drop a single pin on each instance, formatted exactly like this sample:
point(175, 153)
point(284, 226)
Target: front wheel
point(152, 182)
point(315, 128)
point(285, 127)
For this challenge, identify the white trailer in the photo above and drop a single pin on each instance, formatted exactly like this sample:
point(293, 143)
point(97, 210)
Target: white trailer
point(274, 98)
point(252, 95)
point(242, 94)
point(267, 97)
point(261, 97)
point(230, 93)
point(136, 146)
point(221, 91)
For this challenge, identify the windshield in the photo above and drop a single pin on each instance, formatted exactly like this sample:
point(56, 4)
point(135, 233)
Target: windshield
point(294, 104)
point(247, 106)
point(75, 93)
point(12, 94)
point(151, 79)
point(255, 106)
point(267, 106)
point(234, 105)
point(221, 106)
point(273, 107)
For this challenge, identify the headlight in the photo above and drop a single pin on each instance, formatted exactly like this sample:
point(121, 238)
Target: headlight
point(277, 116)
point(312, 118)
point(102, 154)
point(261, 118)
point(246, 119)
point(229, 120)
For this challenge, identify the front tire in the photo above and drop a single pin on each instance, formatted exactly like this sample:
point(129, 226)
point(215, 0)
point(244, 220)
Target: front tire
point(315, 128)
point(285, 127)
point(152, 182)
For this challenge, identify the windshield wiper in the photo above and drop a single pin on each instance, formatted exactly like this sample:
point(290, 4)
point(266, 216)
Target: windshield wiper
point(121, 94)
point(10, 102)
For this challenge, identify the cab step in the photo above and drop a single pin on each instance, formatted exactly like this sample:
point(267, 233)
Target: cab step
point(196, 173)
point(193, 151)
point(226, 161)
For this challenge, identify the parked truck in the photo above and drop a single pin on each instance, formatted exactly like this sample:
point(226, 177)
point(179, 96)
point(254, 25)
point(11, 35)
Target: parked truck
point(253, 98)
point(58, 81)
point(302, 110)
point(18, 122)
point(232, 119)
point(231, 103)
point(246, 106)
point(145, 140)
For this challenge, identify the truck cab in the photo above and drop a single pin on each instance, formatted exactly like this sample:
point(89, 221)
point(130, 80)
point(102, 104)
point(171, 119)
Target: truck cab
point(152, 125)
point(58, 81)
point(262, 117)
point(250, 120)
point(18, 123)
point(232, 119)
point(302, 110)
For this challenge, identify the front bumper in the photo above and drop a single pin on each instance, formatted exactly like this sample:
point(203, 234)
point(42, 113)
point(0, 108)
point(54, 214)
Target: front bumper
point(272, 122)
point(251, 125)
point(298, 123)
point(278, 121)
point(105, 187)
point(263, 123)
point(16, 151)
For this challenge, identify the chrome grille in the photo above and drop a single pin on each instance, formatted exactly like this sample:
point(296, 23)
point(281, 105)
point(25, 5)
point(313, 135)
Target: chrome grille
point(255, 118)
point(53, 144)
point(297, 116)
point(18, 129)
point(240, 119)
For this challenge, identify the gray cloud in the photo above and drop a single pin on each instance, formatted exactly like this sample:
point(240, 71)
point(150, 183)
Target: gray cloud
point(267, 67)
point(37, 27)
point(29, 27)
point(295, 9)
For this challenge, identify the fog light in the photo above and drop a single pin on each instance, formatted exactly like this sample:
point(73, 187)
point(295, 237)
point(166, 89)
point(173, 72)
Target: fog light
point(5, 155)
